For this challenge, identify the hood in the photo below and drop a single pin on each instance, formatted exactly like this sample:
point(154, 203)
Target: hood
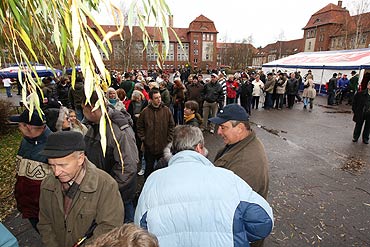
point(121, 118)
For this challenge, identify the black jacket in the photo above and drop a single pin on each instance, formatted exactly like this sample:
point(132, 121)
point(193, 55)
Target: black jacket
point(361, 106)
point(212, 92)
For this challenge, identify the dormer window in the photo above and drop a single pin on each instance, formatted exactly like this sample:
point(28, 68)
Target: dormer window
point(317, 20)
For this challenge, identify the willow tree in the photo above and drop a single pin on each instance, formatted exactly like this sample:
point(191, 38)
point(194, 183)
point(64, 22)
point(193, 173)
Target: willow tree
point(65, 32)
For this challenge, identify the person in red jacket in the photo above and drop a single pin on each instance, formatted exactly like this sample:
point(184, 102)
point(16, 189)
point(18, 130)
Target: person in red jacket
point(232, 87)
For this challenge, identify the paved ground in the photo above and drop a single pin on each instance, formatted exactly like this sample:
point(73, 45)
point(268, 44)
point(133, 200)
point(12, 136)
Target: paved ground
point(315, 202)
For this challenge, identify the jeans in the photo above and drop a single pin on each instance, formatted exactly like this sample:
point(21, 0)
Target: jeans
point(255, 101)
point(8, 91)
point(129, 212)
point(150, 160)
point(279, 100)
point(306, 101)
point(331, 98)
point(268, 101)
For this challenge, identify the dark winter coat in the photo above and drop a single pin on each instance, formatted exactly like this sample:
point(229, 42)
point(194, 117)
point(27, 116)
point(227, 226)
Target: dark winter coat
point(111, 162)
point(155, 128)
point(361, 106)
point(291, 87)
point(213, 92)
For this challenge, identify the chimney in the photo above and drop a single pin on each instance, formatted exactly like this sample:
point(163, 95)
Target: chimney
point(170, 20)
point(340, 3)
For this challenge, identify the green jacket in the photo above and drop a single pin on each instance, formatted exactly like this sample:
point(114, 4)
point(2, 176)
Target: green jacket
point(98, 198)
point(353, 84)
point(248, 160)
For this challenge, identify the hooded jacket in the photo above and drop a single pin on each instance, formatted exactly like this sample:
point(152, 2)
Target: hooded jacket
point(193, 203)
point(111, 162)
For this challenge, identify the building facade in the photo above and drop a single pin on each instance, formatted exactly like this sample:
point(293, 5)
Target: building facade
point(197, 49)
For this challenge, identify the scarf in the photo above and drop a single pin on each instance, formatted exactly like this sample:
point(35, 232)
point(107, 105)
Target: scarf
point(70, 190)
point(187, 118)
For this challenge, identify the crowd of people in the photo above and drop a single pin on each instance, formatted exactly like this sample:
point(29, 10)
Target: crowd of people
point(76, 189)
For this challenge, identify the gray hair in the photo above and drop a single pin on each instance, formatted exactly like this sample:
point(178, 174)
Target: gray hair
point(186, 137)
point(247, 125)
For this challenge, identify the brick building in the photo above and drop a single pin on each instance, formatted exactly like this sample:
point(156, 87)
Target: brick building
point(199, 49)
point(330, 28)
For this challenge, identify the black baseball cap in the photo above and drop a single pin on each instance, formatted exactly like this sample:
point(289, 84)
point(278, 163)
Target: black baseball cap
point(35, 119)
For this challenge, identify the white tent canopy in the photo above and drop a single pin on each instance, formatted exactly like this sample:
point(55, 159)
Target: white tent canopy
point(324, 63)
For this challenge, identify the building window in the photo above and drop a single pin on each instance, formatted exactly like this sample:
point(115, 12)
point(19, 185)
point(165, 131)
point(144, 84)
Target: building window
point(309, 45)
point(321, 37)
point(183, 54)
point(195, 42)
point(171, 51)
point(363, 39)
point(204, 36)
point(195, 60)
point(211, 37)
point(196, 52)
point(151, 53)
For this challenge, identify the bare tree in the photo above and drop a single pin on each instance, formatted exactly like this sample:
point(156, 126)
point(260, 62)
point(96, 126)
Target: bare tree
point(359, 7)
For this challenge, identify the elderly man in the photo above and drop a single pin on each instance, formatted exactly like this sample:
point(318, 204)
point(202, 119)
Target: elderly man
point(77, 199)
point(32, 167)
point(193, 203)
point(244, 153)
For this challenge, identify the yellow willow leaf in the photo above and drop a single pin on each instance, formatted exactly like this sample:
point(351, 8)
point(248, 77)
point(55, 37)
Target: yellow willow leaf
point(56, 35)
point(26, 39)
point(100, 43)
point(67, 18)
point(76, 31)
point(97, 57)
point(89, 83)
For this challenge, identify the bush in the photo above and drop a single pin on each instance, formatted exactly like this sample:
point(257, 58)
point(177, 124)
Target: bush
point(5, 111)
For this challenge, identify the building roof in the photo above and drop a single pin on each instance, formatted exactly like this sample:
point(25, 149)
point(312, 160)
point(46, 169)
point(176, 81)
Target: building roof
point(154, 33)
point(202, 24)
point(330, 14)
point(364, 20)
point(283, 47)
point(237, 45)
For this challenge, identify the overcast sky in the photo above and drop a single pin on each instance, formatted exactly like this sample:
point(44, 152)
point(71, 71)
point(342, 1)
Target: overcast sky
point(266, 21)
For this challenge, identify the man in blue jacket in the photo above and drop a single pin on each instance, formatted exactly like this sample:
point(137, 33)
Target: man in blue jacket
point(194, 203)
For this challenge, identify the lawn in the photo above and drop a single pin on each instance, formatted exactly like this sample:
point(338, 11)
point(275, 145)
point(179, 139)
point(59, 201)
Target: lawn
point(9, 143)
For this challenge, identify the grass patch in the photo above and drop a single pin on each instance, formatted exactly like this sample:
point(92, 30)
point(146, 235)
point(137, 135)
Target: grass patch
point(9, 144)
